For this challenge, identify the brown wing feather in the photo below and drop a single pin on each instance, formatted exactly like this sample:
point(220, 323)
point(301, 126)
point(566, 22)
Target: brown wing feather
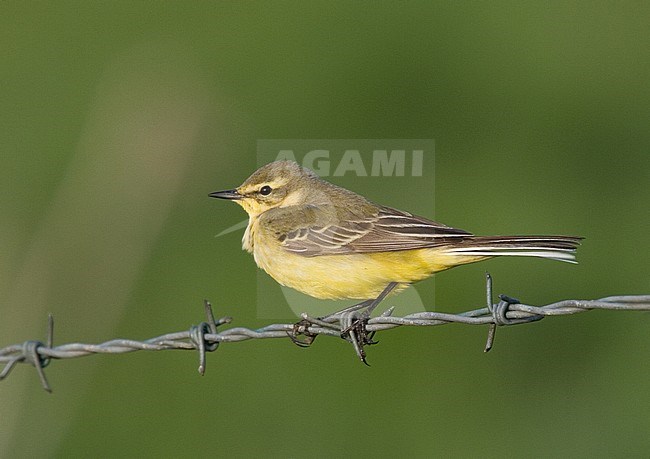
point(388, 230)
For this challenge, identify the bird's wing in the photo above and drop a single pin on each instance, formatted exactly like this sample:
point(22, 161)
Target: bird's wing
point(384, 231)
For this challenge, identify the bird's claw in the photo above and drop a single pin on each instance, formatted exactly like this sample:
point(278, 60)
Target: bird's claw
point(357, 333)
point(302, 328)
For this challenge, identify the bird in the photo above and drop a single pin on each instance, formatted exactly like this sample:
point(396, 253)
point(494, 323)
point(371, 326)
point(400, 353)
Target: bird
point(332, 243)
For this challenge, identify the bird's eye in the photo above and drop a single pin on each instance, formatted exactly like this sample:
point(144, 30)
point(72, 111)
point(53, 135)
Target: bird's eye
point(265, 190)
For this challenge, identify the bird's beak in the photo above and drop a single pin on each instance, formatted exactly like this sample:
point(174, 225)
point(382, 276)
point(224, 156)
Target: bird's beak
point(227, 194)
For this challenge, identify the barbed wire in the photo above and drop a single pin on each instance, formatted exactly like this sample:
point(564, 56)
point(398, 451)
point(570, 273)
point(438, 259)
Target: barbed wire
point(351, 326)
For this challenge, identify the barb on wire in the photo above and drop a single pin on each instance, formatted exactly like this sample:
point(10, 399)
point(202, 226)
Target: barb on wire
point(206, 336)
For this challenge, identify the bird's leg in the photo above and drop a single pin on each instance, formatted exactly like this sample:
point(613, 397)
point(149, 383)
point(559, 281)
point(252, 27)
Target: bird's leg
point(355, 307)
point(373, 305)
point(356, 331)
point(368, 305)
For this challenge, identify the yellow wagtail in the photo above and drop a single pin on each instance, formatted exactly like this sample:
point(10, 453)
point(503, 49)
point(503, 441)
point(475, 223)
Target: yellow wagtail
point(331, 243)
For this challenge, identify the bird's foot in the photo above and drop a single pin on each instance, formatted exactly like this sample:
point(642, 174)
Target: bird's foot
point(302, 328)
point(354, 329)
point(354, 325)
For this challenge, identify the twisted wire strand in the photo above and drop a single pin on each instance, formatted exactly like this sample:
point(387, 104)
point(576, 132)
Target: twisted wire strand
point(206, 337)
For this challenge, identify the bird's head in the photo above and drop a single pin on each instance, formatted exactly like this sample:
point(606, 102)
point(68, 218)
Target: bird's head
point(277, 184)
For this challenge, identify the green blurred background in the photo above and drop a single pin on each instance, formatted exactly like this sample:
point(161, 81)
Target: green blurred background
point(117, 118)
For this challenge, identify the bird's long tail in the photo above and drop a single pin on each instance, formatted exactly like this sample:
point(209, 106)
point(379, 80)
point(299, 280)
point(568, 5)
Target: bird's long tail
point(561, 248)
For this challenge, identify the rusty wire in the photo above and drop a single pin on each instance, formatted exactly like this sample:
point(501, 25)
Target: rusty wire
point(206, 337)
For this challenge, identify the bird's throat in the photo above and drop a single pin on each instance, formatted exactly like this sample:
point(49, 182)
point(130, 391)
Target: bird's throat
point(248, 241)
